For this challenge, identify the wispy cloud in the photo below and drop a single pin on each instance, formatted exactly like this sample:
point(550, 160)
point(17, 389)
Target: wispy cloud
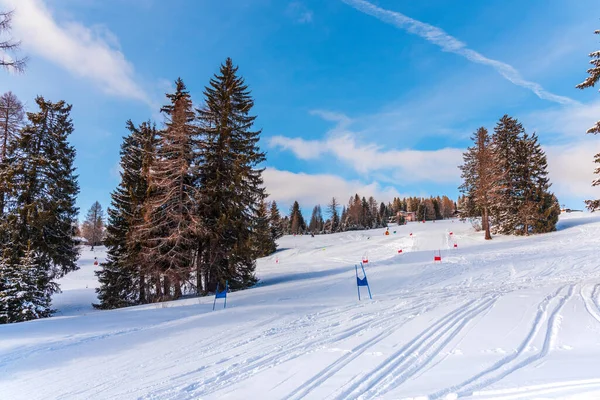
point(299, 12)
point(450, 44)
point(90, 53)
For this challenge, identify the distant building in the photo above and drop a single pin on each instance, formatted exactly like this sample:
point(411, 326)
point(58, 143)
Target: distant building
point(409, 216)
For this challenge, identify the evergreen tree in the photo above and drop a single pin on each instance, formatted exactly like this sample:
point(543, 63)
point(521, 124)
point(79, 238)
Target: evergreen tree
point(231, 186)
point(25, 288)
point(505, 141)
point(480, 176)
point(93, 227)
point(11, 122)
point(297, 224)
point(275, 222)
point(122, 279)
point(590, 81)
point(170, 222)
point(333, 215)
point(263, 242)
point(43, 189)
point(316, 221)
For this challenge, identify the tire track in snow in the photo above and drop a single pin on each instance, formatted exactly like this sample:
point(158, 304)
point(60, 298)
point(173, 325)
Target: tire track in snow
point(590, 302)
point(486, 377)
point(291, 350)
point(416, 354)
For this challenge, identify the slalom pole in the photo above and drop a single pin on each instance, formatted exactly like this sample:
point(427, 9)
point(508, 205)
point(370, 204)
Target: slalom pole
point(368, 287)
point(215, 302)
point(226, 287)
point(357, 287)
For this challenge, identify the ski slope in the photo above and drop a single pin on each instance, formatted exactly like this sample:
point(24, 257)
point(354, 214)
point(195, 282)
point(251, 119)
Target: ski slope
point(514, 318)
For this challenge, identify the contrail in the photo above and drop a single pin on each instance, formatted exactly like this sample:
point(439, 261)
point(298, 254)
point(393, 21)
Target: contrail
point(450, 44)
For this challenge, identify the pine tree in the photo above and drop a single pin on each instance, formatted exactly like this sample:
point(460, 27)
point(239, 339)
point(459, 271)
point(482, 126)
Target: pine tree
point(263, 242)
point(505, 142)
point(231, 185)
point(25, 288)
point(168, 234)
point(316, 221)
point(480, 176)
point(122, 278)
point(93, 227)
point(590, 81)
point(275, 222)
point(297, 224)
point(11, 122)
point(43, 188)
point(333, 215)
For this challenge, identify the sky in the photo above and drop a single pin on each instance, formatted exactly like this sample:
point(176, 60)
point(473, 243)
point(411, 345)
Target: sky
point(377, 98)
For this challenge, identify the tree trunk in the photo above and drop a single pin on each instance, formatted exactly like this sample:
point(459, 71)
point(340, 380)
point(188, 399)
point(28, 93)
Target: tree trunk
point(486, 224)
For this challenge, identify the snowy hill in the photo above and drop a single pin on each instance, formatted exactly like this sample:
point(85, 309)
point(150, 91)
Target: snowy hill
point(508, 319)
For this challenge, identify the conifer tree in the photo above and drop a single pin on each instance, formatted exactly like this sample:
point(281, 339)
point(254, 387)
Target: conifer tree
point(25, 288)
point(122, 277)
point(93, 227)
point(275, 222)
point(230, 184)
point(170, 222)
point(263, 243)
point(297, 224)
point(480, 176)
point(590, 81)
point(505, 141)
point(11, 122)
point(43, 188)
point(333, 215)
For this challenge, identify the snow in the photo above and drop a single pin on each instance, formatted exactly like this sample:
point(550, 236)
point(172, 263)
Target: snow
point(514, 318)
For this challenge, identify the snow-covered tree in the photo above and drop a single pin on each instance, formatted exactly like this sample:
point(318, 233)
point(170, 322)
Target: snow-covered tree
point(590, 81)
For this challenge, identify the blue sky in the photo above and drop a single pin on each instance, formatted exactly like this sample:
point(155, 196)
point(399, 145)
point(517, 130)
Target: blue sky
point(377, 98)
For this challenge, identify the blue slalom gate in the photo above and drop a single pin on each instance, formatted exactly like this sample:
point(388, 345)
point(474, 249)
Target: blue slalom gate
point(362, 281)
point(221, 295)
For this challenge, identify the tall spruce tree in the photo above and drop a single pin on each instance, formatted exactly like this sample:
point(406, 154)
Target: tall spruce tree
point(122, 277)
point(231, 184)
point(505, 142)
point(590, 81)
point(38, 225)
point(168, 233)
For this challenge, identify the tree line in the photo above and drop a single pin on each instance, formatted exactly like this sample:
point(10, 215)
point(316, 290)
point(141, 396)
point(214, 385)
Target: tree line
point(361, 213)
point(505, 182)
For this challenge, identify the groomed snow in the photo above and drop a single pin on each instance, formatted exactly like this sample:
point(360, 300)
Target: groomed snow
point(514, 318)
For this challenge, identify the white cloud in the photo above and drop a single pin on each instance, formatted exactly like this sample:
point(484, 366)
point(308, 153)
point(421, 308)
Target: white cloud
point(571, 169)
point(450, 44)
point(90, 53)
point(286, 187)
point(407, 165)
point(567, 122)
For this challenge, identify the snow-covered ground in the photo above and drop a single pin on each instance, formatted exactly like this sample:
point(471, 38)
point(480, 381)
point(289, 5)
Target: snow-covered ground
point(514, 318)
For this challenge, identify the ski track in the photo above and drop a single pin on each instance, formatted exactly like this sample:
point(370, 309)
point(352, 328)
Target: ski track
point(505, 366)
point(408, 360)
point(591, 302)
